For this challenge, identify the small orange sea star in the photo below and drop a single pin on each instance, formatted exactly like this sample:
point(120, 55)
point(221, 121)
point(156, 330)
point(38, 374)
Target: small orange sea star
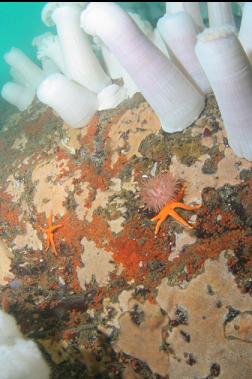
point(49, 231)
point(168, 210)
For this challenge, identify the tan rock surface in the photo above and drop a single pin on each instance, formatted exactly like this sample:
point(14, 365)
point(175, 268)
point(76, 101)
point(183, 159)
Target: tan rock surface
point(206, 303)
point(5, 259)
point(144, 341)
point(98, 264)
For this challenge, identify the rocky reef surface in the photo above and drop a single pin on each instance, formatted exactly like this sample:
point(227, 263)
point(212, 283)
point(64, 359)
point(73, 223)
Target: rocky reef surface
point(118, 301)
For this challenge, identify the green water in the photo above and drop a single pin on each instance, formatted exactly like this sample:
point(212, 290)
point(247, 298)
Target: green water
point(19, 23)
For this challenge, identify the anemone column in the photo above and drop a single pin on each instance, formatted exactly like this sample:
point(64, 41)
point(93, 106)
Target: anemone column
point(171, 95)
point(245, 34)
point(48, 46)
point(18, 95)
point(80, 61)
point(152, 34)
point(116, 70)
point(220, 14)
point(230, 75)
point(179, 33)
point(192, 8)
point(29, 71)
point(17, 77)
point(74, 103)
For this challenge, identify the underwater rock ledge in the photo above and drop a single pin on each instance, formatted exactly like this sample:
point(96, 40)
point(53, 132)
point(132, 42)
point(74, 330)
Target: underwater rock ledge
point(152, 287)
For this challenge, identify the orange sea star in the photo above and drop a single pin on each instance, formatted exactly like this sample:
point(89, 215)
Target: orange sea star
point(168, 210)
point(49, 231)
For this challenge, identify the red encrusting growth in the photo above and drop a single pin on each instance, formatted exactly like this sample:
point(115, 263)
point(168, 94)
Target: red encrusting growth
point(35, 128)
point(89, 138)
point(8, 212)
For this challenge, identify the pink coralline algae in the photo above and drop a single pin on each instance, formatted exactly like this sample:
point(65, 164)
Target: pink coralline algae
point(156, 192)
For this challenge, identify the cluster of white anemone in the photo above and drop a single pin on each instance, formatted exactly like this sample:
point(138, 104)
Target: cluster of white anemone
point(174, 65)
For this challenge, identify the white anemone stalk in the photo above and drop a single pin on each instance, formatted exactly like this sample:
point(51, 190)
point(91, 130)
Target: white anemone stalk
point(192, 8)
point(171, 95)
point(22, 64)
point(152, 34)
point(115, 70)
point(220, 14)
point(80, 61)
point(113, 66)
point(158, 41)
point(144, 25)
point(179, 33)
point(74, 103)
point(48, 47)
point(245, 34)
point(230, 75)
point(19, 357)
point(48, 66)
point(18, 95)
point(17, 77)
point(111, 96)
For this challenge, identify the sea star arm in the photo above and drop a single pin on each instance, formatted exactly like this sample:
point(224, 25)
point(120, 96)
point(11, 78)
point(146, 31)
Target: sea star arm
point(180, 219)
point(49, 231)
point(161, 217)
point(168, 210)
point(47, 243)
point(157, 228)
point(42, 229)
point(53, 244)
point(50, 220)
point(55, 227)
point(156, 218)
point(185, 206)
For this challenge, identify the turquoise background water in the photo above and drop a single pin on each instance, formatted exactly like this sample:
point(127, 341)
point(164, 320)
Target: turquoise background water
point(19, 23)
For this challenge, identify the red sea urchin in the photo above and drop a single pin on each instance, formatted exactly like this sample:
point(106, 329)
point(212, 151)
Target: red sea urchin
point(156, 192)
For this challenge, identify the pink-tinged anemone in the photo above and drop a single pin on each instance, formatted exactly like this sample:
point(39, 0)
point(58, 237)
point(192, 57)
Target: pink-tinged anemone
point(156, 192)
